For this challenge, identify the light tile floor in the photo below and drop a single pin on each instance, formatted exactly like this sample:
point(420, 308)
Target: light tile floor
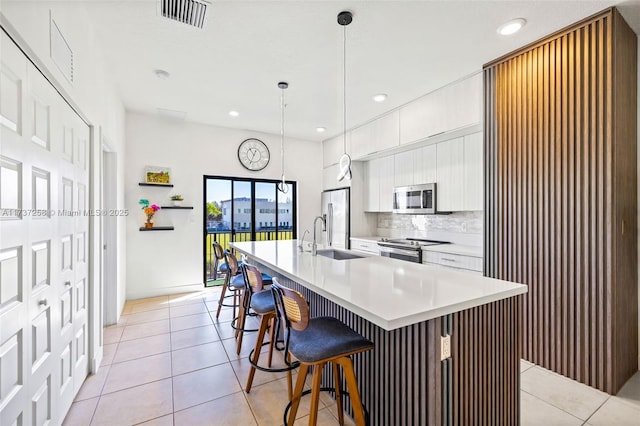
point(170, 362)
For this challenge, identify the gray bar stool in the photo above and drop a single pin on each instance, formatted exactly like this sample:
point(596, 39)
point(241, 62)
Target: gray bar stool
point(233, 281)
point(315, 342)
point(254, 282)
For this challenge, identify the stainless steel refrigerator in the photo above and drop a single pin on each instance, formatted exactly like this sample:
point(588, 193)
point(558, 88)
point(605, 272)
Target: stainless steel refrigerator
point(335, 209)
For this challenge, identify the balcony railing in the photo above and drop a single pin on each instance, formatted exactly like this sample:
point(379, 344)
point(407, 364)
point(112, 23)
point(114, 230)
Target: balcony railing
point(224, 238)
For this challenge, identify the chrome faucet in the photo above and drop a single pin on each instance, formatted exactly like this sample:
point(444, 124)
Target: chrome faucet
point(314, 247)
point(301, 245)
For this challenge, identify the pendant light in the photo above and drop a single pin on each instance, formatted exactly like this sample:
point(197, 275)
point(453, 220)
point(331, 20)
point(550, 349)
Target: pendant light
point(282, 185)
point(344, 168)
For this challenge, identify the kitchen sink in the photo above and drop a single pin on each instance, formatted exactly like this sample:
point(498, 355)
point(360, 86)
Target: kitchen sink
point(338, 254)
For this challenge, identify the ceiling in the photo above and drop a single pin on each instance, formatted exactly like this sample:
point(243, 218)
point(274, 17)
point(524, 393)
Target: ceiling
point(402, 48)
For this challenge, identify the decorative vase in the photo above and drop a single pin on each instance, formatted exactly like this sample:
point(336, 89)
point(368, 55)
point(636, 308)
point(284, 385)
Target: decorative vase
point(177, 203)
point(148, 224)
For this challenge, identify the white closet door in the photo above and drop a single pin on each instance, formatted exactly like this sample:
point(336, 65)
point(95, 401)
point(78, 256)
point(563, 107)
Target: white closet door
point(43, 320)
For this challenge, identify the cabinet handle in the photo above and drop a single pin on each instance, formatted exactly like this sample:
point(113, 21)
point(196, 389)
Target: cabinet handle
point(67, 283)
point(448, 259)
point(43, 302)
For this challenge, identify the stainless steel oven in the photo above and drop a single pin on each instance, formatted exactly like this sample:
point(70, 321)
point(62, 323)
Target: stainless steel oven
point(409, 254)
point(409, 249)
point(416, 199)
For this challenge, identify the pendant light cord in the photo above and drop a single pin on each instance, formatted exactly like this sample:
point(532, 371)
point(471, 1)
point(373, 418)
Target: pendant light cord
point(344, 88)
point(282, 186)
point(282, 129)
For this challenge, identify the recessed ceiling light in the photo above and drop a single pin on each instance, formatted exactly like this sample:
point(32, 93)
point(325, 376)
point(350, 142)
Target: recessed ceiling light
point(320, 129)
point(511, 27)
point(380, 97)
point(162, 74)
point(234, 113)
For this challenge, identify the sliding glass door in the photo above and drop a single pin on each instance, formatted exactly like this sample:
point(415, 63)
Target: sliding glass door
point(241, 209)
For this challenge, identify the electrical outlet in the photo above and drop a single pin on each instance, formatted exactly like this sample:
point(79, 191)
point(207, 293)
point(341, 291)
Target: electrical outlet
point(445, 347)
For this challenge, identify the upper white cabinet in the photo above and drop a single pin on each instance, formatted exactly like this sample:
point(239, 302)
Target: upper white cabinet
point(415, 167)
point(362, 140)
point(449, 160)
point(387, 131)
point(381, 134)
point(380, 183)
point(425, 165)
point(459, 174)
point(372, 193)
point(473, 172)
point(449, 108)
point(404, 167)
point(333, 148)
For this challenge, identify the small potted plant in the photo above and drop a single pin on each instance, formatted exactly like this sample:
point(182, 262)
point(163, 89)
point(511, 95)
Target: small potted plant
point(149, 210)
point(177, 199)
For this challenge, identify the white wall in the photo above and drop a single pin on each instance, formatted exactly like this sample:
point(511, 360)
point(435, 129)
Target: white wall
point(92, 93)
point(170, 262)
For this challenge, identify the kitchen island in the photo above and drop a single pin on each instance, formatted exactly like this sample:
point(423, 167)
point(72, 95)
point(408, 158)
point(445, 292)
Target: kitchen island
point(447, 343)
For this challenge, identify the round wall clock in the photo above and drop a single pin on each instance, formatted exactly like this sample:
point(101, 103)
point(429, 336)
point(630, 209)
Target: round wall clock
point(253, 154)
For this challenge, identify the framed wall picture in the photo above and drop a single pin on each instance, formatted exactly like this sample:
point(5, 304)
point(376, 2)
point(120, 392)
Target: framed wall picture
point(157, 175)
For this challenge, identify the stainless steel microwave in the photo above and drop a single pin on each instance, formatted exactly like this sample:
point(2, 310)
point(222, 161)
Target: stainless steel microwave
point(416, 199)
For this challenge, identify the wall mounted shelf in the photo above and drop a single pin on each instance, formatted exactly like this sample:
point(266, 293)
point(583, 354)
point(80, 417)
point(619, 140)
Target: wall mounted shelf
point(157, 228)
point(177, 207)
point(165, 185)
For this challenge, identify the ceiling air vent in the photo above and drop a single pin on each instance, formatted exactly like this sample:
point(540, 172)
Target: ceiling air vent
point(190, 12)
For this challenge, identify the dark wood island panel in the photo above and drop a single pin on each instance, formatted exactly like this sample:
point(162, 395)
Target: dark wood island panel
point(403, 381)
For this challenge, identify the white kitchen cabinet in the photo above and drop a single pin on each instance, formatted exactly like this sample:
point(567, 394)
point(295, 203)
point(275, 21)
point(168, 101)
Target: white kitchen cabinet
point(378, 135)
point(386, 183)
point(362, 141)
point(416, 120)
point(449, 108)
point(459, 262)
point(450, 174)
point(473, 190)
point(365, 245)
point(425, 165)
point(333, 148)
point(404, 166)
point(372, 179)
point(387, 131)
point(380, 183)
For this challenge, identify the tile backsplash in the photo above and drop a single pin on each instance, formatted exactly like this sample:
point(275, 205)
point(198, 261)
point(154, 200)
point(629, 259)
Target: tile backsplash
point(459, 228)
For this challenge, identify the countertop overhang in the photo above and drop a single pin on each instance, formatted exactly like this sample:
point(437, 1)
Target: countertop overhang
point(388, 292)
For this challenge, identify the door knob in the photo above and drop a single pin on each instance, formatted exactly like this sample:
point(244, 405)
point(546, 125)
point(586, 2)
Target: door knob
point(43, 302)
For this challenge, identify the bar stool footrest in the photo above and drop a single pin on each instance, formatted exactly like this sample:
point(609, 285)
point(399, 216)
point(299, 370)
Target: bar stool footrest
point(246, 330)
point(324, 389)
point(293, 366)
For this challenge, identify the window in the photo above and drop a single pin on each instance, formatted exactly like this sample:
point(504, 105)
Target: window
point(253, 208)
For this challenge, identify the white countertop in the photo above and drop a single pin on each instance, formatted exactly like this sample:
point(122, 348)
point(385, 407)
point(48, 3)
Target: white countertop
point(456, 249)
point(388, 292)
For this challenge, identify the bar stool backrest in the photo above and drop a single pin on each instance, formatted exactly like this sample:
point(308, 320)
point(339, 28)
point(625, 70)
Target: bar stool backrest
point(218, 252)
point(232, 262)
point(291, 305)
point(253, 277)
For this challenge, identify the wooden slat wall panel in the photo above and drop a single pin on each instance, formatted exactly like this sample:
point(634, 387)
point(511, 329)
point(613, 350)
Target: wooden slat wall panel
point(486, 364)
point(560, 179)
point(400, 380)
